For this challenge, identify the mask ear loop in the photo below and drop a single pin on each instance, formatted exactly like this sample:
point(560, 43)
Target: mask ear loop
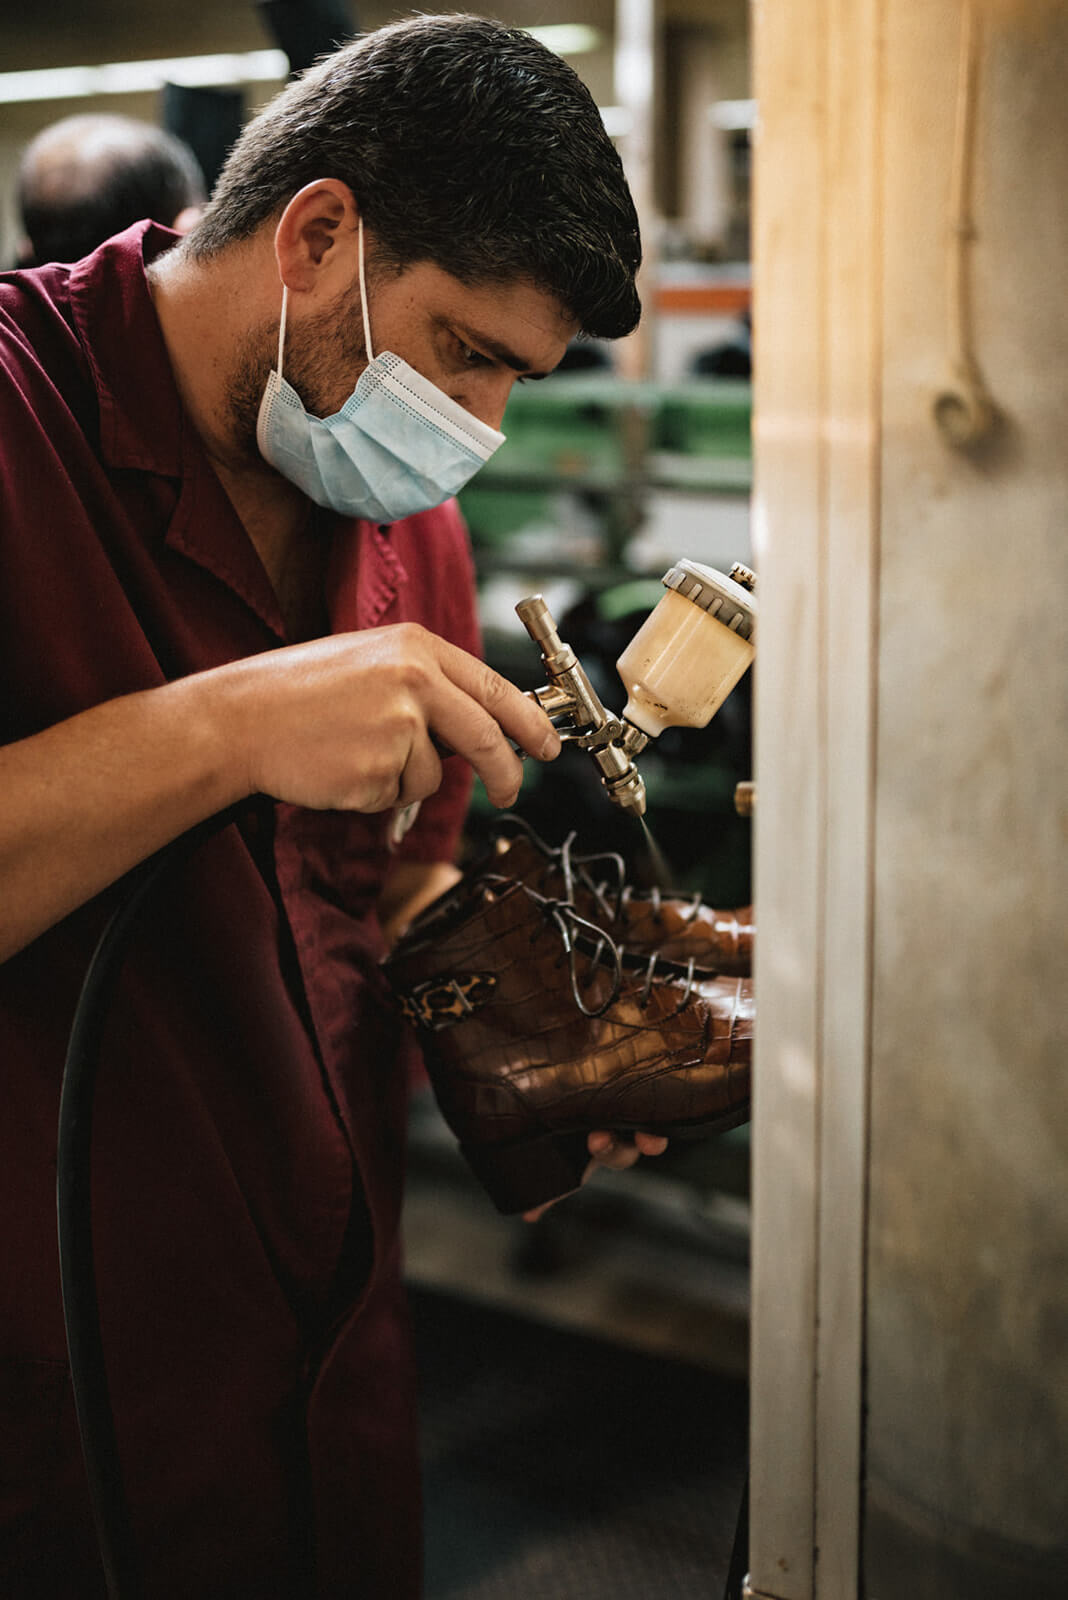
point(363, 308)
point(363, 294)
point(282, 328)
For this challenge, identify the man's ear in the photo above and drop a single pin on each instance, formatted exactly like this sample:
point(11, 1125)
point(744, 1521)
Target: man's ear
point(310, 242)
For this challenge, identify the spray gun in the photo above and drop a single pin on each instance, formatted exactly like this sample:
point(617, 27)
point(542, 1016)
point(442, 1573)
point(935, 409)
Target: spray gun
point(677, 671)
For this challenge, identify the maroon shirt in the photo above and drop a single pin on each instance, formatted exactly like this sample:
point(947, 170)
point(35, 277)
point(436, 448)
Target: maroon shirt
point(249, 1125)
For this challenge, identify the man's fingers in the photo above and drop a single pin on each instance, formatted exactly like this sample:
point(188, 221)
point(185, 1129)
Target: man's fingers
point(350, 722)
point(651, 1144)
point(422, 772)
point(517, 714)
point(462, 722)
point(620, 1154)
point(521, 717)
point(608, 1150)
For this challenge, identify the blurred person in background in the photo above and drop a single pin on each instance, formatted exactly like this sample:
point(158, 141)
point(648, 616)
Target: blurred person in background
point(88, 177)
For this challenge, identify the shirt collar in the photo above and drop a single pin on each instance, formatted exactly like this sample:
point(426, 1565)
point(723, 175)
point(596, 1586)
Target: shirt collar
point(143, 425)
point(142, 422)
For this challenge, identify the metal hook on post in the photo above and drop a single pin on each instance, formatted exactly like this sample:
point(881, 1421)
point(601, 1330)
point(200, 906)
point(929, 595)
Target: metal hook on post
point(963, 411)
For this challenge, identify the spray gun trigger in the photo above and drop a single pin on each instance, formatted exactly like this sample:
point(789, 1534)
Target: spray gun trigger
point(568, 735)
point(595, 738)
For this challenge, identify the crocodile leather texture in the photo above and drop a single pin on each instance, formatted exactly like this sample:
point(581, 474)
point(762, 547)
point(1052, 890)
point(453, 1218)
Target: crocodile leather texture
point(544, 1028)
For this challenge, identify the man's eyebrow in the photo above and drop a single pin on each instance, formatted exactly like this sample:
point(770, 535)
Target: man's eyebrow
point(498, 351)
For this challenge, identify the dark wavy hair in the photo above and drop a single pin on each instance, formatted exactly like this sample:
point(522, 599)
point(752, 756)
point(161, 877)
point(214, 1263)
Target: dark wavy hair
point(466, 144)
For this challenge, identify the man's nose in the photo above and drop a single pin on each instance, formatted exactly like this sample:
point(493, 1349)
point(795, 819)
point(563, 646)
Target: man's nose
point(487, 398)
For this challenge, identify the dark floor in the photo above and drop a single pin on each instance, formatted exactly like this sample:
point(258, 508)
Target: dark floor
point(584, 1379)
point(656, 1259)
point(559, 1466)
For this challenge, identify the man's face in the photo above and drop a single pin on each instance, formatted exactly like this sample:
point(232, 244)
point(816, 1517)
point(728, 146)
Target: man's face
point(474, 343)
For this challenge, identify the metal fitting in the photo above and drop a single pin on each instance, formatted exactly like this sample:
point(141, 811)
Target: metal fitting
point(572, 703)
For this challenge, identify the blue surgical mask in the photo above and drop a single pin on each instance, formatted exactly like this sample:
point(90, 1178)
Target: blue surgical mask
point(397, 446)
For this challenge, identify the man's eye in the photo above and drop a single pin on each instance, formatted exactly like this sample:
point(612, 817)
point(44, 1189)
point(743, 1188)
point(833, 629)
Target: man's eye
point(469, 357)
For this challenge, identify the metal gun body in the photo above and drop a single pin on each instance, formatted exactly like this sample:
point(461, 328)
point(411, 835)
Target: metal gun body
point(573, 705)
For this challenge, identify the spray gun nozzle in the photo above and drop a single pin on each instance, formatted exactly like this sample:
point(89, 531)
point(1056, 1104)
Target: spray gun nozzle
point(628, 791)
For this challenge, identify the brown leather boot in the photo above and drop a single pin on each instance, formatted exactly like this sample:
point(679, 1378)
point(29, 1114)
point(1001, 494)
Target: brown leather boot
point(537, 1030)
point(646, 922)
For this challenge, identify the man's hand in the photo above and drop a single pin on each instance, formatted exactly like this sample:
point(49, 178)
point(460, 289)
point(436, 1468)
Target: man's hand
point(359, 721)
point(615, 1154)
point(355, 722)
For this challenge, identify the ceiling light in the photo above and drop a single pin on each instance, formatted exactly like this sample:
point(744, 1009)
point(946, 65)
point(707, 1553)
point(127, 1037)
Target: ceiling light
point(733, 115)
point(139, 77)
point(568, 38)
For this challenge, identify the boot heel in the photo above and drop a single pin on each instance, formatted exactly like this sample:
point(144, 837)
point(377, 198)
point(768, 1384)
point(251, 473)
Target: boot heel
point(518, 1177)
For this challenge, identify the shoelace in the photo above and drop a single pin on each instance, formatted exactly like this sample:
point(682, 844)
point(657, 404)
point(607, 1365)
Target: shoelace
point(611, 898)
point(567, 921)
point(569, 924)
point(622, 893)
point(566, 863)
point(650, 973)
point(686, 913)
point(564, 913)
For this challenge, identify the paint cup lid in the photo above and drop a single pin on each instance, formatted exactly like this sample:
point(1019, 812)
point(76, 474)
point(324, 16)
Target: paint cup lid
point(728, 599)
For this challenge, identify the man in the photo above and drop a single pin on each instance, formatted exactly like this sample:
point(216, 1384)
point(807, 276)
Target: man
point(225, 578)
point(87, 177)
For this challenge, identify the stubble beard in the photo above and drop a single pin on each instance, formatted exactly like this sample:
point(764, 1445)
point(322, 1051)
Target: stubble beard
point(329, 343)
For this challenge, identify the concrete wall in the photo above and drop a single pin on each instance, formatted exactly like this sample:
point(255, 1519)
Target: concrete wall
point(967, 1348)
point(910, 1345)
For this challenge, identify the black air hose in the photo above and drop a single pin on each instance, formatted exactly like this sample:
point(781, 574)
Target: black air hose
point(88, 1369)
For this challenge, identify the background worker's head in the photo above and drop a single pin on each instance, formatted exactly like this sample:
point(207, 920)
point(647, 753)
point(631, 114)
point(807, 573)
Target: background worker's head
point(87, 177)
point(465, 144)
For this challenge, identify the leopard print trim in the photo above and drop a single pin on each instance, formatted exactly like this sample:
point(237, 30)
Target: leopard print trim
point(440, 1002)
